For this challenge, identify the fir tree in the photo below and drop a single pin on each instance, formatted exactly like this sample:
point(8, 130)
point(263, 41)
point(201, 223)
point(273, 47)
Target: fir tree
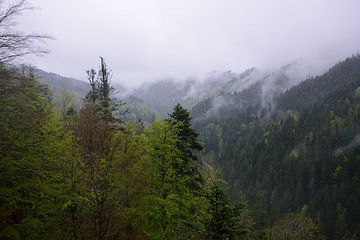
point(187, 143)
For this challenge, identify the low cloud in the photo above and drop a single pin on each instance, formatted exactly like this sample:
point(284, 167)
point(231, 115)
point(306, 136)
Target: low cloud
point(144, 40)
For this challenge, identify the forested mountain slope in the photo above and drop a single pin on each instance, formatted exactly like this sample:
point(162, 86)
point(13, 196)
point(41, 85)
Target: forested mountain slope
point(215, 87)
point(280, 148)
point(136, 109)
point(61, 85)
point(300, 154)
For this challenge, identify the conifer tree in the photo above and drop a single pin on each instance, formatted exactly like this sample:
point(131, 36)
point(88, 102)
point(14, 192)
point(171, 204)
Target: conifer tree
point(223, 222)
point(187, 143)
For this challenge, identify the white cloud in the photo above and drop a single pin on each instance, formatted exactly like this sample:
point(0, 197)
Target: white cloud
point(146, 39)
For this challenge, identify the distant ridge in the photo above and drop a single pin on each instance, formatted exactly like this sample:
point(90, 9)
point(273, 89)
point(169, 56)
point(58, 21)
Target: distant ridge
point(57, 82)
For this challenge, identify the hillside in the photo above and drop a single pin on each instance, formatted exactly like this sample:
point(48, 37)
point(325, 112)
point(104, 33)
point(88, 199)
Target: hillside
point(134, 108)
point(281, 146)
point(59, 84)
point(217, 88)
point(88, 175)
point(299, 154)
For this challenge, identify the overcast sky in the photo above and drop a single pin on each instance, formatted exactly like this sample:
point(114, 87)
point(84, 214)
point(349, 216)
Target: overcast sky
point(143, 40)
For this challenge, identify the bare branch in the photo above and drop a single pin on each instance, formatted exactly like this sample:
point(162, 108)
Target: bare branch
point(12, 11)
point(16, 44)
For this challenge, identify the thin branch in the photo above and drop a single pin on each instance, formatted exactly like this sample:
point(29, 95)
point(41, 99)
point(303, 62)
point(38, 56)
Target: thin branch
point(16, 44)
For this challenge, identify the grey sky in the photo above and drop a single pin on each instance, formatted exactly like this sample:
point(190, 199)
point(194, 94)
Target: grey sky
point(146, 39)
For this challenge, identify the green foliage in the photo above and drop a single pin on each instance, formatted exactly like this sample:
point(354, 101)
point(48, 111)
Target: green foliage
point(59, 84)
point(187, 142)
point(33, 147)
point(82, 175)
point(296, 227)
point(304, 153)
point(357, 93)
point(173, 211)
point(224, 220)
point(136, 109)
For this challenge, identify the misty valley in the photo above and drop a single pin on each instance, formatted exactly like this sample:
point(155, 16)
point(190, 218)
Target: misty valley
point(265, 153)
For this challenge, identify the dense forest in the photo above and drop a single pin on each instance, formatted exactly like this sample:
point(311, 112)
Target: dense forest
point(298, 154)
point(89, 175)
point(87, 172)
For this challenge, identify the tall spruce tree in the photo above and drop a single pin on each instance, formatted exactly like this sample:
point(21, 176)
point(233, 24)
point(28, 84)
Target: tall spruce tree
point(187, 143)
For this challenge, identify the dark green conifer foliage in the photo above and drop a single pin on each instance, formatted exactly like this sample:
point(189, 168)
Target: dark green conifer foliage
point(188, 136)
point(187, 143)
point(224, 223)
point(305, 153)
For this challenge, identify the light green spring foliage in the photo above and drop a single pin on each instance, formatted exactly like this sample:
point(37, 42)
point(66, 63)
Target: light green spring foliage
point(33, 148)
point(82, 176)
point(173, 211)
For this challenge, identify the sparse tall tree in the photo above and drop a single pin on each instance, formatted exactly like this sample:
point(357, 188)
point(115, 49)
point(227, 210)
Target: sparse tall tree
point(100, 147)
point(101, 93)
